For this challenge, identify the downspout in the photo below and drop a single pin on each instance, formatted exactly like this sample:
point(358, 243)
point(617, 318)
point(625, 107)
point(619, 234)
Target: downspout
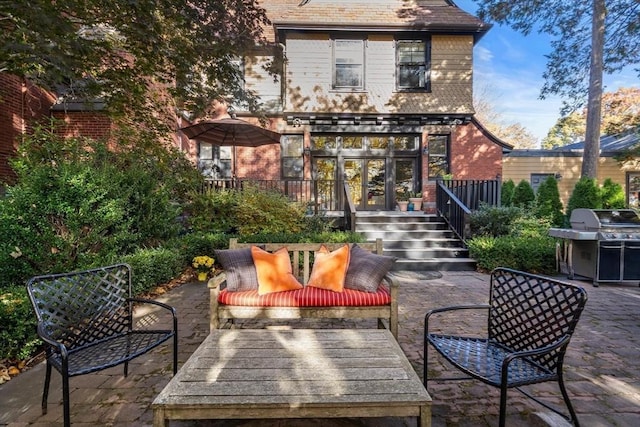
point(284, 76)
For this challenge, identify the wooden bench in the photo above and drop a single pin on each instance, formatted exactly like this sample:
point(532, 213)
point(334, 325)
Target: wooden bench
point(301, 254)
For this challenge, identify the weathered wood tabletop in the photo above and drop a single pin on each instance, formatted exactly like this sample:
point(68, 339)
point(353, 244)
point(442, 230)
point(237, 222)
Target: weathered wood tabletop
point(295, 373)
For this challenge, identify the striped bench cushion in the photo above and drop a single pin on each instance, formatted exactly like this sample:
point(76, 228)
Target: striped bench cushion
point(307, 297)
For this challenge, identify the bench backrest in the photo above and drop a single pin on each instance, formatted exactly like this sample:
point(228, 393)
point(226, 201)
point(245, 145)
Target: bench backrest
point(529, 311)
point(302, 253)
point(83, 307)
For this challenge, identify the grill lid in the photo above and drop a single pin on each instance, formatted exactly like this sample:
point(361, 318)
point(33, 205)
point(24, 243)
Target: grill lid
point(596, 219)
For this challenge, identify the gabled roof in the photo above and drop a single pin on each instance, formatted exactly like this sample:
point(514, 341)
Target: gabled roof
point(373, 15)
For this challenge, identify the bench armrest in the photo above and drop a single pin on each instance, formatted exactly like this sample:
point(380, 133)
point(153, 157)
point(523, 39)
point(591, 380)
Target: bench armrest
point(215, 285)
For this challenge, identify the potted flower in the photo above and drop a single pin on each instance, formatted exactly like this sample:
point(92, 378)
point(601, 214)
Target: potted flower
point(416, 199)
point(203, 265)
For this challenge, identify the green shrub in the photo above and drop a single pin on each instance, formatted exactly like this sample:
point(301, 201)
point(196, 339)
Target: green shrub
point(18, 338)
point(535, 254)
point(548, 204)
point(494, 220)
point(152, 267)
point(506, 192)
point(325, 237)
point(196, 244)
point(77, 203)
point(246, 212)
point(612, 195)
point(585, 195)
point(523, 195)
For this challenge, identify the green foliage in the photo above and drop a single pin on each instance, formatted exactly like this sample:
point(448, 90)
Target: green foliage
point(585, 195)
point(18, 338)
point(196, 244)
point(523, 195)
point(548, 204)
point(612, 195)
point(247, 212)
point(535, 254)
point(511, 237)
point(307, 237)
point(494, 220)
point(77, 203)
point(153, 266)
point(60, 44)
point(506, 192)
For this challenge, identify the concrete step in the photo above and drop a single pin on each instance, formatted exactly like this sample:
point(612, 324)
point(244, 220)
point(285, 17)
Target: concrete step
point(427, 253)
point(421, 242)
point(436, 264)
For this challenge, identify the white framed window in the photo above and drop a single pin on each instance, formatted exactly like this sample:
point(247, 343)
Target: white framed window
point(348, 60)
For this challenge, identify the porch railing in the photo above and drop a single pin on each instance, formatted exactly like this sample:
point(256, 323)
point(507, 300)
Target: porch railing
point(456, 199)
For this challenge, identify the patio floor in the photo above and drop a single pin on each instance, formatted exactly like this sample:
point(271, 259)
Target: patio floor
point(601, 375)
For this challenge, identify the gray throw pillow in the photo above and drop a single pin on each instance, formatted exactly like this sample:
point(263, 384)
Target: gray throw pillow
point(366, 269)
point(239, 267)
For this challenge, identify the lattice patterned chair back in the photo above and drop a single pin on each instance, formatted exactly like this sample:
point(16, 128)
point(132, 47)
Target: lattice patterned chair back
point(529, 312)
point(77, 309)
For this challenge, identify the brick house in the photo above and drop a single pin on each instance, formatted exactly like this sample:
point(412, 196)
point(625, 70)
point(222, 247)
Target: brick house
point(378, 92)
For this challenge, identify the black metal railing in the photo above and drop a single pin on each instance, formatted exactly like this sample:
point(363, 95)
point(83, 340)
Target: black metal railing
point(349, 209)
point(453, 211)
point(319, 194)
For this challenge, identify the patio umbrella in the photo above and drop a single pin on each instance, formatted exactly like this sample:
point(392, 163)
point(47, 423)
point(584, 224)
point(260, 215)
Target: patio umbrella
point(231, 132)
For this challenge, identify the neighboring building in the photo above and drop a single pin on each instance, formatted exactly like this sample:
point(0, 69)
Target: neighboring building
point(379, 91)
point(565, 163)
point(22, 105)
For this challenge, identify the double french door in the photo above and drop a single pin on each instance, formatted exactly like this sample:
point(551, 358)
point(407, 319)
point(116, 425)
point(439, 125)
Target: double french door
point(373, 182)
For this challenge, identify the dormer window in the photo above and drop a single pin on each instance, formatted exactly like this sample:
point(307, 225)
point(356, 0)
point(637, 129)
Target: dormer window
point(348, 57)
point(412, 65)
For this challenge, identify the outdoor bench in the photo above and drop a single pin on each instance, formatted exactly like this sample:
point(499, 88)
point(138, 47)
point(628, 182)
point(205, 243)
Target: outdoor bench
point(366, 263)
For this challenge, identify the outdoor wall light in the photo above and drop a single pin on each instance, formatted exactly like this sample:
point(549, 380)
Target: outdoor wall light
point(425, 150)
point(306, 151)
point(558, 176)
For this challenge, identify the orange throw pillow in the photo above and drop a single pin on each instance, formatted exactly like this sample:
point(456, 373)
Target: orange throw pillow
point(330, 269)
point(274, 271)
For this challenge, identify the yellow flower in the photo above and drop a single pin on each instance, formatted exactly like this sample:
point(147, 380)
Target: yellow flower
point(203, 263)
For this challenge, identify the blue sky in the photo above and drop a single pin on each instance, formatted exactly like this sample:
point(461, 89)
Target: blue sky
point(509, 67)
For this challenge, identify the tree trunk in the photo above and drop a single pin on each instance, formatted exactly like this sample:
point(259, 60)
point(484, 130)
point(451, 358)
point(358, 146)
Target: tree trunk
point(594, 102)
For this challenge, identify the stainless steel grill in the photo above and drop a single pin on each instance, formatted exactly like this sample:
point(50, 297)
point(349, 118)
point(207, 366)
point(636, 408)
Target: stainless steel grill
point(602, 244)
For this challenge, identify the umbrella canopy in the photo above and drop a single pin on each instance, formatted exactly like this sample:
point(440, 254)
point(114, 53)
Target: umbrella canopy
point(231, 132)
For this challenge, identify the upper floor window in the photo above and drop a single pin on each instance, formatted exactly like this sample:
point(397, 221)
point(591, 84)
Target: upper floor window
point(214, 161)
point(348, 59)
point(412, 69)
point(438, 155)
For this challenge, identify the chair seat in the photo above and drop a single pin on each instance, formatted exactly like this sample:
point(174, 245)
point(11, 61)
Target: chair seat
point(482, 359)
point(111, 351)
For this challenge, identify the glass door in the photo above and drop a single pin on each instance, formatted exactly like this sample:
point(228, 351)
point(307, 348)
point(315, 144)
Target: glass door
point(375, 184)
point(353, 169)
point(404, 178)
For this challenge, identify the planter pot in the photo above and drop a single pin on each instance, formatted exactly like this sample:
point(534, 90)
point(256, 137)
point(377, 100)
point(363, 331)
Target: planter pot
point(417, 203)
point(202, 277)
point(403, 205)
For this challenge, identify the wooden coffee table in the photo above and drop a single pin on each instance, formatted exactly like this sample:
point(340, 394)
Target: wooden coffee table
point(294, 373)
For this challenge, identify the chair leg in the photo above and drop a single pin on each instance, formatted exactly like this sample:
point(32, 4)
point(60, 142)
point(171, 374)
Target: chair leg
point(65, 399)
point(565, 396)
point(503, 404)
point(45, 392)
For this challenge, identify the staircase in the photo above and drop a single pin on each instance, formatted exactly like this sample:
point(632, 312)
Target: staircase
point(421, 242)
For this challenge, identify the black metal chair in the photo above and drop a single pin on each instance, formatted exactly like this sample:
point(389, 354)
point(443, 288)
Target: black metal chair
point(86, 322)
point(530, 322)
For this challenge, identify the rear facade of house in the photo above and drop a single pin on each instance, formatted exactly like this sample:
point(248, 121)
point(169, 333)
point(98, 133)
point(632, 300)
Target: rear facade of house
point(378, 93)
